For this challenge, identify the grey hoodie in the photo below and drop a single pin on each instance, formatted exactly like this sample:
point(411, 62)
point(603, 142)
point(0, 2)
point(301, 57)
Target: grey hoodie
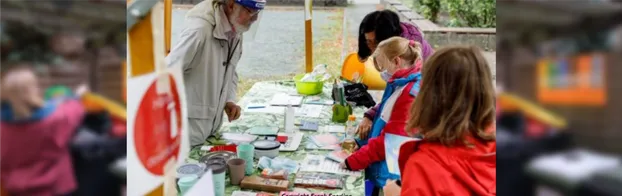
point(203, 50)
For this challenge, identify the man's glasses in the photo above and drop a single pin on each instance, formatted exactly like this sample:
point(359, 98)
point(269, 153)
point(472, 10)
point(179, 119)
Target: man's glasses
point(251, 12)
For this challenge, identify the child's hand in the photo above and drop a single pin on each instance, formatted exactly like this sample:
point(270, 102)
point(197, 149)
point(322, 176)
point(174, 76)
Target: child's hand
point(342, 165)
point(363, 129)
point(391, 189)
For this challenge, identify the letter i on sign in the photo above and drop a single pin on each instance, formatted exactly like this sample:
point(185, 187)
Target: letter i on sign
point(163, 88)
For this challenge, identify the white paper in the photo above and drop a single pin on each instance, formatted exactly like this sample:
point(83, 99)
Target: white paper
point(311, 111)
point(239, 137)
point(333, 129)
point(266, 110)
point(319, 163)
point(203, 187)
point(293, 142)
point(392, 144)
point(283, 99)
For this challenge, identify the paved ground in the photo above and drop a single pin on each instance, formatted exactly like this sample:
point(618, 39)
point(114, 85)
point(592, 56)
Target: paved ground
point(278, 46)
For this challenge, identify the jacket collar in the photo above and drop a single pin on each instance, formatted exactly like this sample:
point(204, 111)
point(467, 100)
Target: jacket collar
point(402, 73)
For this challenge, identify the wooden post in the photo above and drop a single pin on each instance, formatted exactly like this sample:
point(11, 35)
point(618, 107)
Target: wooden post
point(308, 36)
point(168, 9)
point(140, 47)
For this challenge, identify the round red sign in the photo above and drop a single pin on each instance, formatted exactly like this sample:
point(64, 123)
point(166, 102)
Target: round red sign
point(157, 127)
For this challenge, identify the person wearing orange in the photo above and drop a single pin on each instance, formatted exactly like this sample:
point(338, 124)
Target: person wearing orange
point(454, 113)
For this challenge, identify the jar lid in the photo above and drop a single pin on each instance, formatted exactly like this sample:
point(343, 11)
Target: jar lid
point(266, 144)
point(217, 165)
point(190, 169)
point(217, 155)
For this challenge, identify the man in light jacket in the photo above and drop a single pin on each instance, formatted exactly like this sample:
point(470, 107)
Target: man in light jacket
point(209, 49)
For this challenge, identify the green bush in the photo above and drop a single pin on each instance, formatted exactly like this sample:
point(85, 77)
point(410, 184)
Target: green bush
point(462, 13)
point(480, 13)
point(430, 9)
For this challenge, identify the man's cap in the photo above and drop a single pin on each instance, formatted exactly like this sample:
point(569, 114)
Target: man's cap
point(254, 4)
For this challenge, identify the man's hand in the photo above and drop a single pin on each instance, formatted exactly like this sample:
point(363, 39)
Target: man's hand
point(363, 130)
point(233, 111)
point(391, 189)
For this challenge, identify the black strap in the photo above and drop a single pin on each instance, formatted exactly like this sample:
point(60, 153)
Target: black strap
point(231, 52)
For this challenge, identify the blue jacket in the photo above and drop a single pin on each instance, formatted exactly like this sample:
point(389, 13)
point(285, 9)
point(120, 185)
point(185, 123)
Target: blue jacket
point(378, 170)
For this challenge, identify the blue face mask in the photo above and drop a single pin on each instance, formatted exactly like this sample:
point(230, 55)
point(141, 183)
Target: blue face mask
point(386, 76)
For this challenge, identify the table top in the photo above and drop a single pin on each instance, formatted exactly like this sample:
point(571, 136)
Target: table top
point(262, 93)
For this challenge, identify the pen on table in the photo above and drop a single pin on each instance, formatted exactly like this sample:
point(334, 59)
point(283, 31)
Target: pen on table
point(256, 107)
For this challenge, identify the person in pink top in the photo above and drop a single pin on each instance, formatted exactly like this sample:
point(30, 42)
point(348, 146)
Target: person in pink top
point(36, 136)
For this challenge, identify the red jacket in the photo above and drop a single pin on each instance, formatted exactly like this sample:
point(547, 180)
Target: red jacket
point(374, 150)
point(430, 169)
point(36, 158)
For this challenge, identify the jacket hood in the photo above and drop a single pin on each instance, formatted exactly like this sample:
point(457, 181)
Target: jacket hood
point(204, 10)
point(474, 166)
point(478, 169)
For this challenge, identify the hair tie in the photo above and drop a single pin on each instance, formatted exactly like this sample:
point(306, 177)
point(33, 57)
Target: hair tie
point(412, 43)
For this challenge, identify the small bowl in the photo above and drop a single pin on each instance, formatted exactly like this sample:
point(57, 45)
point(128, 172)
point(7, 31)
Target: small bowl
point(308, 88)
point(266, 148)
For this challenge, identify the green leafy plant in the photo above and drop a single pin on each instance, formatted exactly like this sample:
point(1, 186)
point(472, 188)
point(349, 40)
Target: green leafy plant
point(470, 13)
point(429, 9)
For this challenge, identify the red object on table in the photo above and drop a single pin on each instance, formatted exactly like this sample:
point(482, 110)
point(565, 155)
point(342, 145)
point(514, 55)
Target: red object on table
point(230, 147)
point(282, 139)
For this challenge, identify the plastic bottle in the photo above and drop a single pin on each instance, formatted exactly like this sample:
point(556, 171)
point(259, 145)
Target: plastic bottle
point(289, 119)
point(349, 143)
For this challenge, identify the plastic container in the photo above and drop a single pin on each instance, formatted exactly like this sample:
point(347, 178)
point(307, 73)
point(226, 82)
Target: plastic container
point(348, 143)
point(186, 182)
point(247, 152)
point(289, 119)
point(266, 148)
point(308, 88)
point(218, 168)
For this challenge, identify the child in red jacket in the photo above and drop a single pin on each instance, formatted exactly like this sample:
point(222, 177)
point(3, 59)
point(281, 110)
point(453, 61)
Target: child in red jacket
point(397, 58)
point(455, 115)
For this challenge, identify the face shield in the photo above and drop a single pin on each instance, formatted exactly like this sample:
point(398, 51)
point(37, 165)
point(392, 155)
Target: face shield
point(256, 6)
point(249, 36)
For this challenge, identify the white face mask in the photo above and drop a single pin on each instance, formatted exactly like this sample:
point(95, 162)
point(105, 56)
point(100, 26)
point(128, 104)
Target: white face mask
point(386, 76)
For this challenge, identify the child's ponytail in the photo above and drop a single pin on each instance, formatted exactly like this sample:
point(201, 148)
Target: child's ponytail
point(413, 53)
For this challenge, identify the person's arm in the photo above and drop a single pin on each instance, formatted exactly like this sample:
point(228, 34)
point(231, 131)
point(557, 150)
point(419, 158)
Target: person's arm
point(232, 93)
point(73, 114)
point(371, 113)
point(368, 154)
point(184, 52)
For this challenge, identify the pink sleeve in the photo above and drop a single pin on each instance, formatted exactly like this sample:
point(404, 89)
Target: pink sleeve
point(71, 115)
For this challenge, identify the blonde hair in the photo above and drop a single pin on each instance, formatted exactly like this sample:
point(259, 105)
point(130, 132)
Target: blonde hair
point(456, 99)
point(389, 49)
point(18, 83)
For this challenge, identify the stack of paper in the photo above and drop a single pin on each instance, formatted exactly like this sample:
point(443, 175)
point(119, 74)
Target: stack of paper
point(283, 99)
point(319, 163)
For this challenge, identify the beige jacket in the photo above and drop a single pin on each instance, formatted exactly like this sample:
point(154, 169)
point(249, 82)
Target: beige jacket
point(203, 49)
